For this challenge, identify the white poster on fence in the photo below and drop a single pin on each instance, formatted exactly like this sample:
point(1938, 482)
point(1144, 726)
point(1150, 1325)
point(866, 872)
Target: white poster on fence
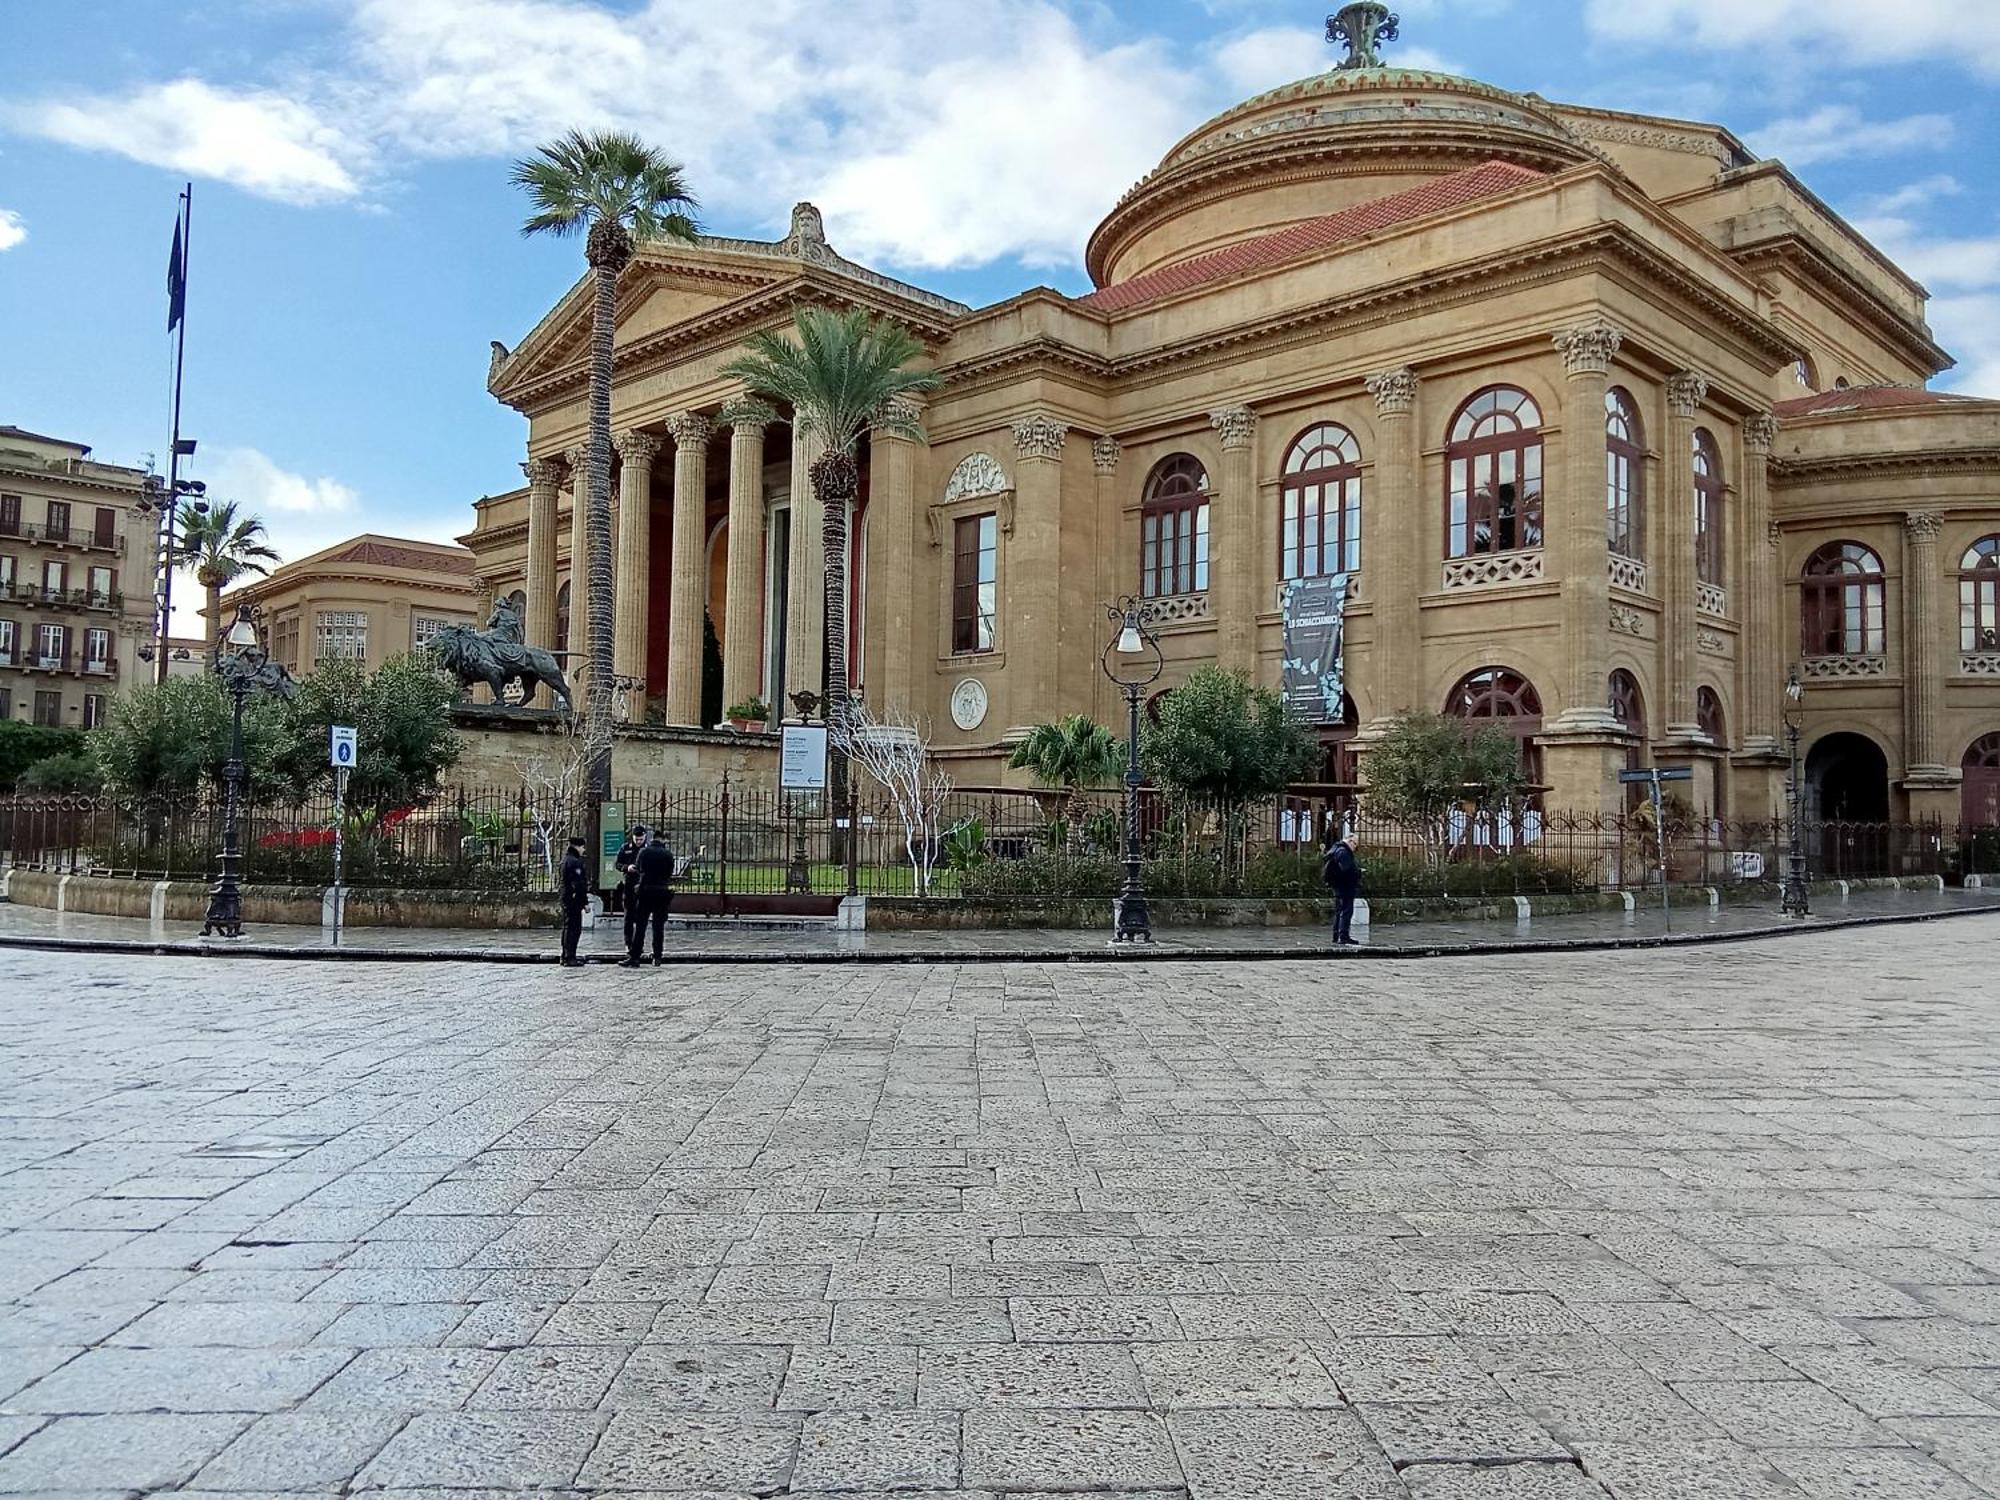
point(1314, 681)
point(802, 758)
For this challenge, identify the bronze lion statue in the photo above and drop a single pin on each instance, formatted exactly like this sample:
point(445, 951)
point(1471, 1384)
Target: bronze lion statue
point(497, 656)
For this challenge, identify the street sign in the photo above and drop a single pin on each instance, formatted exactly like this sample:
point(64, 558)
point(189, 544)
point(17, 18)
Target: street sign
point(341, 747)
point(1664, 773)
point(610, 839)
point(802, 758)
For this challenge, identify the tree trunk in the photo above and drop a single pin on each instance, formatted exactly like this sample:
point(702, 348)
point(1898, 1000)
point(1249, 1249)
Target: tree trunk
point(608, 250)
point(214, 623)
point(836, 481)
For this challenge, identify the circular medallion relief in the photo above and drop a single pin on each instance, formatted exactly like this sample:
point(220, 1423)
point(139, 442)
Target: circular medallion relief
point(968, 704)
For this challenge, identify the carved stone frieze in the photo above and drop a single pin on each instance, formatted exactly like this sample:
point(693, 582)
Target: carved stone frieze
point(1395, 391)
point(976, 474)
point(1040, 437)
point(1589, 348)
point(1236, 425)
point(1712, 642)
point(1627, 621)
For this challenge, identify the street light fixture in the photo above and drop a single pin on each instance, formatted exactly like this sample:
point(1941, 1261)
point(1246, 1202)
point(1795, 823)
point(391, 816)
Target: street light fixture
point(245, 670)
point(1796, 901)
point(1132, 661)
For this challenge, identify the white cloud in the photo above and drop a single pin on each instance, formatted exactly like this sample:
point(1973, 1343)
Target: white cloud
point(256, 483)
point(1855, 33)
point(1919, 194)
point(1964, 272)
point(262, 141)
point(12, 230)
point(1969, 326)
point(1838, 131)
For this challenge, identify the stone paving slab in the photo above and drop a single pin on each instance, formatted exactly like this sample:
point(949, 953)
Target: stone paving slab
point(1667, 1223)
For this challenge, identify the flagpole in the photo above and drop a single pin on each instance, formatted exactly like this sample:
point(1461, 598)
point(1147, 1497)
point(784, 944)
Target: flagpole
point(184, 236)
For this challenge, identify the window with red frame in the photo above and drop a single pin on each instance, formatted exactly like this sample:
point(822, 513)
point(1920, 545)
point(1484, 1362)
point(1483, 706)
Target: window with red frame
point(1493, 475)
point(1709, 558)
point(1319, 530)
point(1979, 596)
point(1624, 476)
point(1840, 602)
point(975, 556)
point(1173, 529)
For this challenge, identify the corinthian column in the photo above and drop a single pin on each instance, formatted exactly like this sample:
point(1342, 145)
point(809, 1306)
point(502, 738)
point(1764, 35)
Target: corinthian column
point(805, 580)
point(1391, 550)
point(1923, 668)
point(579, 561)
point(743, 624)
point(1233, 541)
point(1115, 556)
point(1760, 659)
point(1685, 393)
point(636, 452)
point(544, 475)
point(687, 603)
point(889, 657)
point(1030, 570)
point(1579, 536)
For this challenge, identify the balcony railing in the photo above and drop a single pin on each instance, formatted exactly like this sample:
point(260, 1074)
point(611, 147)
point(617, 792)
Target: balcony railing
point(1709, 599)
point(1173, 609)
point(35, 593)
point(1628, 573)
point(84, 537)
point(1845, 668)
point(1979, 664)
point(1493, 569)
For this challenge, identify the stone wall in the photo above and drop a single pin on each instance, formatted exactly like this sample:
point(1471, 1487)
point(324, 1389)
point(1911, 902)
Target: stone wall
point(499, 741)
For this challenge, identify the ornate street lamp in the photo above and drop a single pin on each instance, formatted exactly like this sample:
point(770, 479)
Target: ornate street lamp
point(1133, 661)
point(245, 670)
point(1796, 901)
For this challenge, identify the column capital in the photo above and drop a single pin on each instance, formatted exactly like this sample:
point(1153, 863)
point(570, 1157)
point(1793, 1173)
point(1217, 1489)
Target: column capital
point(1924, 526)
point(578, 459)
point(544, 472)
point(1395, 391)
point(1771, 534)
point(1760, 431)
point(900, 419)
point(748, 411)
point(1104, 453)
point(1040, 436)
point(1588, 348)
point(1686, 390)
point(689, 429)
point(637, 448)
point(1236, 424)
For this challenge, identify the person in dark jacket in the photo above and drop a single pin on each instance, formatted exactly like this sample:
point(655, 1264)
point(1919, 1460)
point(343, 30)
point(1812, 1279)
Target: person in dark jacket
point(655, 865)
point(575, 901)
point(1342, 873)
point(627, 865)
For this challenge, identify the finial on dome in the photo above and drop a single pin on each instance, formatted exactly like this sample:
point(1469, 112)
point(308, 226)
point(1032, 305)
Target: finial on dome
point(1360, 26)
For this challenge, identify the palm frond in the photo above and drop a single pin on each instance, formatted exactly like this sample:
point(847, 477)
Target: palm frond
point(839, 371)
point(583, 177)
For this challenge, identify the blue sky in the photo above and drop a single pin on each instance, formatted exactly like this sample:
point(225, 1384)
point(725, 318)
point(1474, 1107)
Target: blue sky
point(355, 236)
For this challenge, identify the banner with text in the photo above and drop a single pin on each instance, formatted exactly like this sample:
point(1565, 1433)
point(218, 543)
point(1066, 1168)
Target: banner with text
point(1314, 678)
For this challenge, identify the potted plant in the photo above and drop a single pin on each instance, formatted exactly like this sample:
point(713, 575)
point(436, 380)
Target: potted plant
point(753, 713)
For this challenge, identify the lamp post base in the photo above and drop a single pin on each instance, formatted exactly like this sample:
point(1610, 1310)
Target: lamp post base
point(225, 912)
point(1131, 922)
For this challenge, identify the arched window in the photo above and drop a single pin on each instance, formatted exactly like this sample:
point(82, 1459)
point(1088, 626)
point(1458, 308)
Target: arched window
point(1804, 374)
point(1979, 790)
point(1709, 557)
point(1629, 709)
point(1493, 474)
point(518, 600)
point(1510, 700)
point(1624, 475)
point(562, 618)
point(1979, 596)
point(1840, 602)
point(1173, 528)
point(1320, 515)
point(1708, 715)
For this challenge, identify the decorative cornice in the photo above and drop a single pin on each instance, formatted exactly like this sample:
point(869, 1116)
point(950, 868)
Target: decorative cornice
point(1687, 142)
point(748, 411)
point(1795, 470)
point(636, 447)
point(1588, 348)
point(689, 430)
point(1686, 390)
point(1104, 454)
point(1395, 391)
point(1924, 526)
point(543, 472)
point(1040, 437)
point(1760, 431)
point(1237, 426)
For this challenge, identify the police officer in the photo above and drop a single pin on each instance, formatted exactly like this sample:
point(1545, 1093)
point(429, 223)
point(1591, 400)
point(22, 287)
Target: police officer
point(575, 899)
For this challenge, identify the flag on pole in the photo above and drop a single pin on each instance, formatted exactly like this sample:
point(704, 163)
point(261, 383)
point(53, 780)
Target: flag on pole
point(176, 281)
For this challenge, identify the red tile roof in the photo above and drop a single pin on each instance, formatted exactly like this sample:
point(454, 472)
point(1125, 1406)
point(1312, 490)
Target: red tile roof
point(390, 555)
point(1452, 191)
point(1868, 398)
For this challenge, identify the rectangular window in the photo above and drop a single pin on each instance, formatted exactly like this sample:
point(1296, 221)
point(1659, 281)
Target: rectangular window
point(285, 642)
point(96, 650)
point(93, 710)
point(424, 629)
point(101, 586)
point(974, 575)
point(48, 708)
point(51, 646)
point(7, 643)
point(10, 515)
point(107, 525)
point(6, 575)
point(341, 635)
point(6, 705)
point(53, 580)
point(58, 527)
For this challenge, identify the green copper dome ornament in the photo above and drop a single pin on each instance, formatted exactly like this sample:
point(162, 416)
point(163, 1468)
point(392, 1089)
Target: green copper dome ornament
point(1361, 26)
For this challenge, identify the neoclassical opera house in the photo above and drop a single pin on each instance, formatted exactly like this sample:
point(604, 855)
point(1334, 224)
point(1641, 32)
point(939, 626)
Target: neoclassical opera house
point(1613, 424)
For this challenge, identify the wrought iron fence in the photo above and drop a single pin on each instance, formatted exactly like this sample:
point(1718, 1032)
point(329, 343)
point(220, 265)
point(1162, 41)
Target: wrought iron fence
point(748, 844)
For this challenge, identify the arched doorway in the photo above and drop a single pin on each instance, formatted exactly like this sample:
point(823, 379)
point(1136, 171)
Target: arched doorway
point(1847, 780)
point(1979, 794)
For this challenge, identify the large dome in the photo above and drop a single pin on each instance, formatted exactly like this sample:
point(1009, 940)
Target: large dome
point(1314, 147)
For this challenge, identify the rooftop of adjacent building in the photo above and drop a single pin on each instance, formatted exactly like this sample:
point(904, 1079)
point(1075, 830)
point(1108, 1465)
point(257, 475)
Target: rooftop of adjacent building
point(1866, 398)
point(25, 452)
point(440, 564)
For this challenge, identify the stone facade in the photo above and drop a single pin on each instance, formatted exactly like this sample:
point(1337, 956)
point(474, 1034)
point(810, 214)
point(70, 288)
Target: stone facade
point(367, 599)
point(1453, 283)
point(76, 581)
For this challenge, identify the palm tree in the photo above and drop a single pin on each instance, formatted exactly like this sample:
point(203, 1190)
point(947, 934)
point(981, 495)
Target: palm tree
point(1072, 753)
point(841, 373)
point(221, 547)
point(616, 190)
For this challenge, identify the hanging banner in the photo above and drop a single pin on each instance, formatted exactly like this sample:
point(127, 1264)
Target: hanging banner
point(1314, 679)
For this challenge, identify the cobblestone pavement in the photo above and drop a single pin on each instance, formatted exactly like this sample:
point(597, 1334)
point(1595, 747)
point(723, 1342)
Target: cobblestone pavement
point(1713, 1223)
point(717, 940)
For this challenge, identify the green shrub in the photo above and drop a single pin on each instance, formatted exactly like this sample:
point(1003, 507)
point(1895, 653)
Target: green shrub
point(1282, 874)
point(70, 772)
point(24, 745)
point(1045, 873)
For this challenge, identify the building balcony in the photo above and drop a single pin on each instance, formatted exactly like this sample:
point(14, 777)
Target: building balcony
point(83, 538)
point(1857, 667)
point(1493, 569)
point(1174, 609)
point(35, 661)
point(1710, 599)
point(1627, 573)
point(34, 595)
point(1979, 664)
